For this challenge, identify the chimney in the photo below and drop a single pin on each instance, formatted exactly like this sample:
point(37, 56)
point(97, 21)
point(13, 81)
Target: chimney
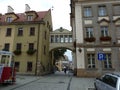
point(10, 9)
point(27, 7)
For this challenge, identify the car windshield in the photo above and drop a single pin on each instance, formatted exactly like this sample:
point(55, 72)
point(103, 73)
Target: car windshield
point(112, 81)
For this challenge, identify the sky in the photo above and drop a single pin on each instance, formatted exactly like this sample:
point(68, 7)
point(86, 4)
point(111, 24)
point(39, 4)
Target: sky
point(60, 11)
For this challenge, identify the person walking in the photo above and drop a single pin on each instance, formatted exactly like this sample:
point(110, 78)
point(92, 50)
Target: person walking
point(65, 69)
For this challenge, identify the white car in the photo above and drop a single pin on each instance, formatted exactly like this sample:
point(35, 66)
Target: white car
point(109, 81)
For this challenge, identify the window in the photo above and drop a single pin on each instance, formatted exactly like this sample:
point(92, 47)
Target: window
point(17, 65)
point(29, 66)
point(70, 38)
point(20, 31)
point(89, 32)
point(104, 31)
point(66, 38)
point(31, 46)
point(56, 38)
point(9, 19)
point(116, 9)
point(7, 46)
point(30, 17)
point(44, 50)
point(52, 39)
point(91, 60)
point(9, 31)
point(61, 38)
point(45, 35)
point(18, 46)
point(87, 12)
point(110, 80)
point(107, 61)
point(32, 31)
point(118, 31)
point(102, 11)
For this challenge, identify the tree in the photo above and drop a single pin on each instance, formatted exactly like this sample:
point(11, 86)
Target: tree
point(59, 53)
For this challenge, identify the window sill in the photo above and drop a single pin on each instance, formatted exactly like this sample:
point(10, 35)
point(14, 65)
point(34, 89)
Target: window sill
point(92, 69)
point(104, 69)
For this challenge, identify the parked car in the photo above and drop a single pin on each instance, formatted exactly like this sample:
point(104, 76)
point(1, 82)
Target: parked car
point(109, 81)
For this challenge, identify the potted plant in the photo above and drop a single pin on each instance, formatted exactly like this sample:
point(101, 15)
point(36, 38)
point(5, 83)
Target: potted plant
point(17, 52)
point(105, 38)
point(30, 51)
point(89, 39)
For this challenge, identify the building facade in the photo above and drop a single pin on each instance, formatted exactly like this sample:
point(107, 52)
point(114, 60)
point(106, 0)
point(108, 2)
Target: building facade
point(96, 34)
point(27, 35)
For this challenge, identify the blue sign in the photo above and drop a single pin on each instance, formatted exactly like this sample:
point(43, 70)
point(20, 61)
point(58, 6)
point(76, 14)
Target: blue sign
point(101, 56)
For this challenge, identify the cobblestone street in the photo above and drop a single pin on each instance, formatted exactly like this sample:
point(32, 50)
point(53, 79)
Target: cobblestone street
point(57, 81)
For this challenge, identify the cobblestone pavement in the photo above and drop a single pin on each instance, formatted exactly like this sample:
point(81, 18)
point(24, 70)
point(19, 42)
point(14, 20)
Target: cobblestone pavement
point(57, 81)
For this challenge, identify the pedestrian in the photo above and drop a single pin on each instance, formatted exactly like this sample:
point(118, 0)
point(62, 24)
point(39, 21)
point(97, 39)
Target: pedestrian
point(65, 69)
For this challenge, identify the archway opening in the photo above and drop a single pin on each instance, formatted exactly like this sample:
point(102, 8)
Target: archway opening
point(62, 61)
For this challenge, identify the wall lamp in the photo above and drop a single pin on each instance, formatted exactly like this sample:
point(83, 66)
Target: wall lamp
point(80, 50)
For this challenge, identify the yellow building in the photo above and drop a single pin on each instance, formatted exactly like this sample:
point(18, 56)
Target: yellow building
point(27, 35)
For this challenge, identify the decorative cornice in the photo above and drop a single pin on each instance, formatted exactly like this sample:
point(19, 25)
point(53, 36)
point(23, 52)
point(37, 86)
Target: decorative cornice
point(96, 46)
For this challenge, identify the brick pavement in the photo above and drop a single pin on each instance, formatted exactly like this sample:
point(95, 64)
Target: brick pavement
point(58, 81)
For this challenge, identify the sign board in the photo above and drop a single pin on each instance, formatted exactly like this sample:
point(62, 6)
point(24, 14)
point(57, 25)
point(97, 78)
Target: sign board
point(101, 56)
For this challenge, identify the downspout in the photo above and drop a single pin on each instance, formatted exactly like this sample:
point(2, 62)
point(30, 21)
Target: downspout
point(38, 38)
point(37, 48)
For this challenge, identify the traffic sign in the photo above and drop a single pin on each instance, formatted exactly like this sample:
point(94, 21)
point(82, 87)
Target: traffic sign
point(101, 56)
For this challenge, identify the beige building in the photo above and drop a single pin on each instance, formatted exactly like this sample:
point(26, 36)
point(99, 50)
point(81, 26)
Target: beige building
point(27, 35)
point(96, 33)
point(60, 38)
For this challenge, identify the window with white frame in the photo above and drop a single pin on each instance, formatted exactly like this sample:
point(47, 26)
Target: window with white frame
point(70, 38)
point(61, 39)
point(104, 31)
point(102, 11)
point(30, 17)
point(91, 60)
point(66, 38)
point(20, 31)
point(89, 32)
point(87, 11)
point(9, 19)
point(107, 61)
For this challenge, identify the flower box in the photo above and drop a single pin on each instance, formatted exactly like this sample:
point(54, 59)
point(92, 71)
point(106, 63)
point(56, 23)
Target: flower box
point(31, 52)
point(17, 52)
point(89, 39)
point(105, 38)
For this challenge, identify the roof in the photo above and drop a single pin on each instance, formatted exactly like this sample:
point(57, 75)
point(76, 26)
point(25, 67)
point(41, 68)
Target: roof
point(61, 30)
point(21, 17)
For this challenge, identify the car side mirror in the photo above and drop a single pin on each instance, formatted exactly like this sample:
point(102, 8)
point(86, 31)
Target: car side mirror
point(99, 79)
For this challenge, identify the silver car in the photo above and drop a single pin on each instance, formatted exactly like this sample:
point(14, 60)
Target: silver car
point(109, 81)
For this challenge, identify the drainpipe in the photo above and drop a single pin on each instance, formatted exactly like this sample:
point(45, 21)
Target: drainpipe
point(38, 37)
point(37, 48)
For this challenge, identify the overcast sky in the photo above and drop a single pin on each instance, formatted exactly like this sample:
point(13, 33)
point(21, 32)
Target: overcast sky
point(60, 12)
